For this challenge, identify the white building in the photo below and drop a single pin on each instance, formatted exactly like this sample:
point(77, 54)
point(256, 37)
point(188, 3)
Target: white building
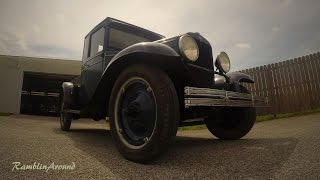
point(31, 85)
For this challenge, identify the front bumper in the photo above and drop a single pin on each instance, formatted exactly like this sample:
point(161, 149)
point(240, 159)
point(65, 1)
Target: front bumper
point(213, 97)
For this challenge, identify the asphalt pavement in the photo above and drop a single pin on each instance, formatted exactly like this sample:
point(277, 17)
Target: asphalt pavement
point(279, 149)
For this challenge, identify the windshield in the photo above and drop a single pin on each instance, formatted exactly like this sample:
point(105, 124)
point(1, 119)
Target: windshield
point(120, 39)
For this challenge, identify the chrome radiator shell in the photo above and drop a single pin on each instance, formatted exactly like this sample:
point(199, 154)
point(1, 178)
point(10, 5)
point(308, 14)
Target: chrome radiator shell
point(194, 96)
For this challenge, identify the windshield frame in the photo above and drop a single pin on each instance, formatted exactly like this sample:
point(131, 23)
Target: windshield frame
point(131, 29)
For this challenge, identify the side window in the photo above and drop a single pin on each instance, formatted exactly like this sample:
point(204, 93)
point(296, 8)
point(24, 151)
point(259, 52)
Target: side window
point(85, 49)
point(97, 40)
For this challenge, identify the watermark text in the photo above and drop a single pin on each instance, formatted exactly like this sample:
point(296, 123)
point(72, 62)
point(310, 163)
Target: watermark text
point(18, 166)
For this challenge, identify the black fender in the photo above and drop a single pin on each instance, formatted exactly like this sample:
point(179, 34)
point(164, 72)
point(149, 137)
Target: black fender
point(67, 90)
point(150, 53)
point(236, 77)
point(145, 48)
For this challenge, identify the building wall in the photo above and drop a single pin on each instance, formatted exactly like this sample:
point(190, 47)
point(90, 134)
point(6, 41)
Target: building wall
point(12, 69)
point(10, 94)
point(42, 65)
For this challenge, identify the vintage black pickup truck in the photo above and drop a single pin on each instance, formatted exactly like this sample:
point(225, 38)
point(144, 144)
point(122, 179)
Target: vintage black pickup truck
point(148, 85)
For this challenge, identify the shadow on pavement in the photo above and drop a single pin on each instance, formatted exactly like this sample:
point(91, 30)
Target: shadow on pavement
point(190, 156)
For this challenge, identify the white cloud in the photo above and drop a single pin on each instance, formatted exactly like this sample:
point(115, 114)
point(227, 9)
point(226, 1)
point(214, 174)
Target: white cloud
point(36, 28)
point(61, 19)
point(3, 38)
point(3, 47)
point(243, 45)
point(22, 44)
point(308, 51)
point(287, 3)
point(251, 32)
point(275, 29)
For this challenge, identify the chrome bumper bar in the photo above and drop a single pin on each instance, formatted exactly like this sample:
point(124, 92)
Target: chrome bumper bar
point(213, 97)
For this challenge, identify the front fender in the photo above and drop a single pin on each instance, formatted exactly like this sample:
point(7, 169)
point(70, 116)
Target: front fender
point(151, 53)
point(236, 77)
point(67, 90)
point(153, 48)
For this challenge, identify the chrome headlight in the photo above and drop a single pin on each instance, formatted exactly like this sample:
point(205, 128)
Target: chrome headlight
point(223, 62)
point(188, 47)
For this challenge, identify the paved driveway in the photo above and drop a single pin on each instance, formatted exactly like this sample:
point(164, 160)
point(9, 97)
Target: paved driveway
point(281, 149)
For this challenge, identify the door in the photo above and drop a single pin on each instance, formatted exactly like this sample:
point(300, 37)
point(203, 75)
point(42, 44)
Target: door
point(92, 68)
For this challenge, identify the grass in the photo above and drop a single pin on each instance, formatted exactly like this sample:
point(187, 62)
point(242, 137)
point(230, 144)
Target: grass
point(5, 114)
point(286, 115)
point(259, 118)
point(195, 127)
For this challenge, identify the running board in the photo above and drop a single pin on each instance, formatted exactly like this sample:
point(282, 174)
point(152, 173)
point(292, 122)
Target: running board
point(72, 111)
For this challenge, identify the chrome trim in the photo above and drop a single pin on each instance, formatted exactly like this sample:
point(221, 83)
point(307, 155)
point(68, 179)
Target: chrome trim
point(71, 111)
point(213, 97)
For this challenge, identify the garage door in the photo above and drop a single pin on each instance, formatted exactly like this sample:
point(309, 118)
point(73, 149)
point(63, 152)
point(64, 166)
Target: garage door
point(40, 93)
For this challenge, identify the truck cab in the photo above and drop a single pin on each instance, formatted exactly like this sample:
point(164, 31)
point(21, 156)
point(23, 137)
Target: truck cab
point(101, 45)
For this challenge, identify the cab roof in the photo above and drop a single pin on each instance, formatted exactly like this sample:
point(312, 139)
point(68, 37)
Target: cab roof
point(109, 20)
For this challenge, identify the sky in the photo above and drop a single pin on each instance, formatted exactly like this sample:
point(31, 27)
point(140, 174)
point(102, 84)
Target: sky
point(252, 32)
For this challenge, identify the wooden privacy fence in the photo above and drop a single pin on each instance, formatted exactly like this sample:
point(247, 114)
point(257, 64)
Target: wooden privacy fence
point(290, 86)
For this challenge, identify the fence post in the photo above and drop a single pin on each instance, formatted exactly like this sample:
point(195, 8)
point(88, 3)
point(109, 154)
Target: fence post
point(316, 60)
point(313, 90)
point(290, 84)
point(270, 89)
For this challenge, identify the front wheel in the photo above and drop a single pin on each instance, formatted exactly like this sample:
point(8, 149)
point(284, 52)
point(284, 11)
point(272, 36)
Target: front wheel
point(143, 112)
point(231, 123)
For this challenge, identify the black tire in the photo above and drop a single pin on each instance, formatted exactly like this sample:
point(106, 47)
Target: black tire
point(231, 123)
point(65, 119)
point(163, 101)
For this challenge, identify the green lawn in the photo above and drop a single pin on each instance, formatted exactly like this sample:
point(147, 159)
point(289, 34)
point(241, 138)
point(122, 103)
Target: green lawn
point(259, 118)
point(286, 115)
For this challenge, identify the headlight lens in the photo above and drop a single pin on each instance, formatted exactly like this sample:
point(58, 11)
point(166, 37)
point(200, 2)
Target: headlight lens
point(223, 62)
point(188, 47)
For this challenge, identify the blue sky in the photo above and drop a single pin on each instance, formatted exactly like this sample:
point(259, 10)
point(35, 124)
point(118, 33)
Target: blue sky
point(252, 32)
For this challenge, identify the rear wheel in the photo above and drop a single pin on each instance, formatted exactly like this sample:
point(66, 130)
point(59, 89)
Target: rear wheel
point(65, 118)
point(231, 123)
point(143, 112)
